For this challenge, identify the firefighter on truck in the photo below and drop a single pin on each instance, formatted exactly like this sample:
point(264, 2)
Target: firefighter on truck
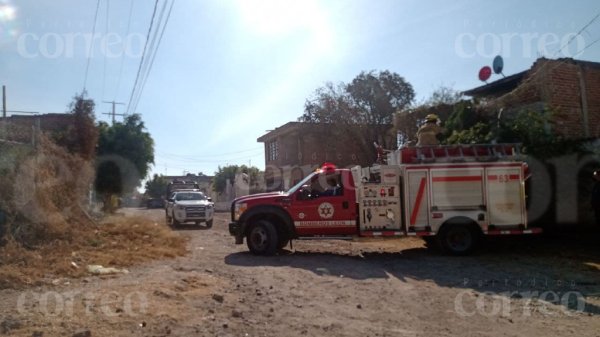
point(450, 196)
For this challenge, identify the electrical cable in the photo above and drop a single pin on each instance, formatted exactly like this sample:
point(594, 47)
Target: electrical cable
point(87, 67)
point(153, 57)
point(143, 56)
point(123, 56)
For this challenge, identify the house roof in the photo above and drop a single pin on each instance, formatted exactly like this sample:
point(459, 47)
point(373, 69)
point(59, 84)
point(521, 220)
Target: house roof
point(509, 83)
point(284, 129)
point(499, 87)
point(307, 126)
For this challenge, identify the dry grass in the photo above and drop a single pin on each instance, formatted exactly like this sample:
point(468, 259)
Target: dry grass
point(48, 230)
point(117, 243)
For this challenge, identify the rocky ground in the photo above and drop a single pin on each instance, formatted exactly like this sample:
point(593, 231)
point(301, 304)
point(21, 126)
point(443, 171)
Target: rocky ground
point(516, 287)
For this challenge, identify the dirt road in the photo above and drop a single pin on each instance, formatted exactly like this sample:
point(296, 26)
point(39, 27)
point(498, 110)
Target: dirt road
point(527, 287)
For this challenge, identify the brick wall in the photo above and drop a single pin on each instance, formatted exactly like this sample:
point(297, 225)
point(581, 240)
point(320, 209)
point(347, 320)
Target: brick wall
point(303, 147)
point(556, 85)
point(47, 122)
point(315, 144)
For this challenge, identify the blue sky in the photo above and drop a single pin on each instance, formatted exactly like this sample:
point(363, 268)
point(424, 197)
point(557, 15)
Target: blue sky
point(229, 70)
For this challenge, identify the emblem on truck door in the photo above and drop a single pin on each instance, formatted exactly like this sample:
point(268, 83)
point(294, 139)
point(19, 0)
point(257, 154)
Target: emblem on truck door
point(326, 210)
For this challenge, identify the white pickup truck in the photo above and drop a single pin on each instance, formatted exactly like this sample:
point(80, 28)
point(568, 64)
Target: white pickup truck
point(189, 206)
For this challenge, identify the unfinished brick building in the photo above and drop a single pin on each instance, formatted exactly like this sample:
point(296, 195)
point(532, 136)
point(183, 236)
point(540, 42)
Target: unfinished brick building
point(295, 149)
point(568, 88)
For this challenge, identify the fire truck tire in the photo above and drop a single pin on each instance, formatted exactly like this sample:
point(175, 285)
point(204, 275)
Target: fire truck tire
point(262, 238)
point(458, 238)
point(431, 242)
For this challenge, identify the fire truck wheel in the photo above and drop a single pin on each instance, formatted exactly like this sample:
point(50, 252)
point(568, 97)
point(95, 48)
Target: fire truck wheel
point(430, 241)
point(262, 238)
point(458, 239)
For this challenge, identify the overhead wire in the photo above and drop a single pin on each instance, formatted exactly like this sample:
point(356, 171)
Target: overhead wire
point(150, 51)
point(106, 34)
point(578, 33)
point(154, 54)
point(89, 56)
point(135, 84)
point(123, 55)
point(544, 67)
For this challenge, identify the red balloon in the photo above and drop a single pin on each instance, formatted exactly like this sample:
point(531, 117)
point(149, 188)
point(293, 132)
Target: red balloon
point(485, 73)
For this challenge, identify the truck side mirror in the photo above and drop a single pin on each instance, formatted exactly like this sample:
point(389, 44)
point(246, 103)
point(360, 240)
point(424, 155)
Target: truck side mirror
point(209, 199)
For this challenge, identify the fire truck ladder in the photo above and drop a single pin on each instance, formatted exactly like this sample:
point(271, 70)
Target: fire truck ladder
point(462, 153)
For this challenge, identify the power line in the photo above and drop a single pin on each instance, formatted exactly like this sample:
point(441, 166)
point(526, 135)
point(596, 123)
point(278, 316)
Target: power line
point(534, 74)
point(154, 55)
point(150, 51)
point(586, 47)
point(106, 33)
point(123, 56)
point(87, 67)
point(577, 34)
point(143, 56)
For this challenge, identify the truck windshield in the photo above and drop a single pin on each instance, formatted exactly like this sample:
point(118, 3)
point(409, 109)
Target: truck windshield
point(189, 196)
point(302, 182)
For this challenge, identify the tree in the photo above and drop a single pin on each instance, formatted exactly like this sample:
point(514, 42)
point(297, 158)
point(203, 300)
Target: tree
point(370, 99)
point(444, 95)
point(228, 173)
point(362, 110)
point(157, 186)
point(378, 96)
point(81, 137)
point(124, 155)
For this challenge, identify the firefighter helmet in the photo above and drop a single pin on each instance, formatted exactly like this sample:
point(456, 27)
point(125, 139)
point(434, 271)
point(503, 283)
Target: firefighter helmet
point(431, 118)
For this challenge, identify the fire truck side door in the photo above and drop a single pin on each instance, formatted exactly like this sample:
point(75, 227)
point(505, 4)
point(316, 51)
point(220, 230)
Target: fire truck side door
point(325, 207)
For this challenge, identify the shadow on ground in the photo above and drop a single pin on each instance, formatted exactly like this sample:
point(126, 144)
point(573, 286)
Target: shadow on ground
point(515, 267)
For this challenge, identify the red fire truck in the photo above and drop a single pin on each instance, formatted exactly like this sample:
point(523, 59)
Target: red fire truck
point(449, 195)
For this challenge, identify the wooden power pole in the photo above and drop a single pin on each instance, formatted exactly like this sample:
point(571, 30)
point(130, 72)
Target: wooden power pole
point(113, 113)
point(3, 101)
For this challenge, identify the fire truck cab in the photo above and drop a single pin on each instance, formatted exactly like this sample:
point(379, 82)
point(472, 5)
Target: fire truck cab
point(448, 195)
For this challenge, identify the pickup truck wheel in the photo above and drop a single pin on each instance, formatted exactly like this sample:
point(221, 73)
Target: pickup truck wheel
point(209, 224)
point(262, 238)
point(174, 222)
point(458, 239)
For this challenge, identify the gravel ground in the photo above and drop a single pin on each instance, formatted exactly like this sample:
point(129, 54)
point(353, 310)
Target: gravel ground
point(512, 287)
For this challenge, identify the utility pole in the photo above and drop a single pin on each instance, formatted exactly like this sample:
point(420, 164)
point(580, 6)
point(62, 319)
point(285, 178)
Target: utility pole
point(3, 101)
point(113, 113)
point(4, 111)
